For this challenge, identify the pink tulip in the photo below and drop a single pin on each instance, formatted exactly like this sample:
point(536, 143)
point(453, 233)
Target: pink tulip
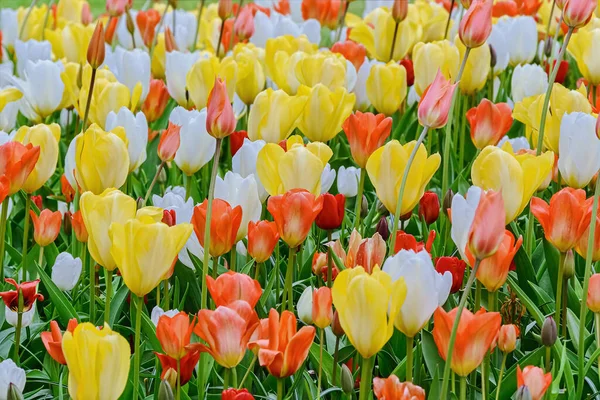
point(476, 25)
point(577, 13)
point(435, 103)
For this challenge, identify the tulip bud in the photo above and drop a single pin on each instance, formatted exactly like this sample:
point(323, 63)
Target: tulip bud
point(162, 177)
point(220, 119)
point(38, 201)
point(434, 105)
point(169, 142)
point(569, 265)
point(14, 393)
point(383, 228)
point(336, 327)
point(548, 45)
point(507, 338)
point(129, 23)
point(169, 217)
point(304, 306)
point(67, 226)
point(225, 9)
point(78, 225)
point(364, 207)
point(164, 391)
point(523, 393)
point(399, 10)
point(549, 333)
point(244, 24)
point(140, 203)
point(493, 57)
point(476, 25)
point(429, 207)
point(322, 311)
point(95, 53)
point(410, 71)
point(347, 380)
point(170, 44)
point(577, 13)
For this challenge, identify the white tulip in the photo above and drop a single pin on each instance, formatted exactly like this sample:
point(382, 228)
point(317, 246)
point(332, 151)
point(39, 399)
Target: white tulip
point(463, 212)
point(158, 312)
point(413, 97)
point(244, 163)
point(240, 191)
point(136, 129)
point(4, 137)
point(373, 4)
point(518, 143)
point(579, 149)
point(12, 316)
point(528, 80)
point(177, 66)
point(520, 35)
point(196, 146)
point(327, 178)
point(9, 24)
point(499, 43)
point(10, 373)
point(305, 305)
point(31, 50)
point(347, 181)
point(66, 271)
point(70, 162)
point(266, 27)
point(185, 28)
point(360, 87)
point(426, 288)
point(131, 67)
point(123, 35)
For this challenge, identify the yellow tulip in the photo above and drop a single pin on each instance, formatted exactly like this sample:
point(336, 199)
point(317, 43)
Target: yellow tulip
point(69, 10)
point(283, 72)
point(327, 69)
point(8, 95)
point(298, 168)
point(433, 18)
point(367, 306)
point(98, 361)
point(70, 77)
point(101, 159)
point(376, 33)
point(562, 100)
point(428, 58)
point(251, 75)
point(200, 78)
point(584, 46)
point(386, 167)
point(325, 111)
point(210, 27)
point(477, 68)
point(71, 42)
point(155, 246)
point(159, 57)
point(99, 212)
point(35, 22)
point(386, 87)
point(517, 176)
point(285, 44)
point(543, 16)
point(47, 137)
point(274, 115)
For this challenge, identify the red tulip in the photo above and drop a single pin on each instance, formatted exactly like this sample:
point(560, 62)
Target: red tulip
point(236, 394)
point(332, 214)
point(27, 289)
point(186, 366)
point(429, 207)
point(236, 140)
point(456, 266)
point(406, 241)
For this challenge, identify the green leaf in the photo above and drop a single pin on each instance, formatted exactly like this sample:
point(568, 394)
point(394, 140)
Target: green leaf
point(326, 363)
point(150, 332)
point(65, 309)
point(117, 303)
point(552, 260)
point(526, 300)
point(432, 358)
point(185, 274)
point(525, 271)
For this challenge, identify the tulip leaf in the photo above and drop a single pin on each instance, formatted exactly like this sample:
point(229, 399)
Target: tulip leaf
point(526, 300)
point(432, 358)
point(552, 260)
point(185, 274)
point(525, 271)
point(116, 305)
point(65, 309)
point(326, 363)
point(150, 331)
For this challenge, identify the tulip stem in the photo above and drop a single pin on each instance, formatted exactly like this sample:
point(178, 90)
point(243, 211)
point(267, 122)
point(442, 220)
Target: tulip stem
point(220, 38)
point(548, 358)
point(342, 22)
point(18, 327)
point(188, 186)
point(26, 236)
point(136, 356)
point(108, 276)
point(147, 196)
point(320, 362)
point(178, 395)
point(89, 100)
point(280, 388)
point(548, 32)
point(198, 21)
point(166, 294)
point(359, 196)
point(564, 307)
point(586, 284)
point(394, 41)
point(250, 368)
point(449, 19)
point(559, 288)
point(551, 80)
point(463, 388)
point(461, 306)
point(3, 224)
point(289, 277)
point(92, 292)
point(237, 14)
point(29, 10)
point(366, 375)
point(409, 358)
point(402, 187)
point(211, 193)
point(500, 376)
point(232, 259)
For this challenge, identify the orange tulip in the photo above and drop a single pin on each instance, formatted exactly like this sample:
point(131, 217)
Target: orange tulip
point(475, 335)
point(95, 52)
point(220, 120)
point(156, 101)
point(262, 239)
point(324, 11)
point(174, 334)
point(593, 299)
point(507, 338)
point(169, 143)
point(16, 163)
point(66, 189)
point(435, 102)
point(226, 332)
point(392, 389)
point(486, 232)
point(352, 51)
point(224, 224)
point(282, 7)
point(562, 218)
point(366, 253)
point(281, 347)
point(4, 188)
point(366, 132)
point(46, 227)
point(320, 263)
point(146, 22)
point(322, 311)
point(224, 9)
point(493, 270)
point(476, 25)
point(582, 242)
point(400, 10)
point(170, 43)
point(79, 227)
point(53, 340)
point(186, 367)
point(233, 286)
point(489, 123)
point(536, 381)
point(294, 212)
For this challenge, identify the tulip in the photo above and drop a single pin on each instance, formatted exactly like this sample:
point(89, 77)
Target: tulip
point(507, 338)
point(366, 133)
point(12, 376)
point(243, 26)
point(174, 333)
point(17, 161)
point(294, 212)
point(493, 270)
point(169, 143)
point(406, 241)
point(326, 68)
point(46, 227)
point(281, 347)
point(79, 227)
point(156, 101)
point(518, 33)
point(178, 66)
point(274, 115)
point(326, 12)
point(136, 130)
point(187, 365)
point(477, 68)
point(327, 178)
point(47, 138)
point(224, 225)
point(475, 335)
point(332, 213)
point(348, 180)
point(53, 340)
point(196, 147)
point(593, 299)
point(489, 123)
point(116, 8)
point(582, 242)
point(579, 149)
point(535, 380)
point(131, 77)
point(435, 103)
point(456, 267)
point(325, 111)
point(236, 140)
point(360, 86)
point(322, 311)
point(31, 50)
point(231, 287)
point(236, 394)
point(428, 58)
point(243, 192)
point(28, 292)
point(202, 75)
point(577, 13)
point(305, 306)
point(582, 47)
point(528, 80)
point(386, 87)
point(147, 22)
point(476, 25)
point(392, 388)
point(352, 51)
point(86, 351)
point(220, 121)
point(517, 176)
point(262, 239)
point(298, 168)
point(429, 207)
point(66, 271)
point(386, 167)
point(251, 76)
point(244, 163)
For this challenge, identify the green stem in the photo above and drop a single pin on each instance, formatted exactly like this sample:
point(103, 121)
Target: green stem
point(530, 234)
point(26, 236)
point(89, 100)
point(359, 196)
point(320, 362)
point(41, 257)
point(289, 277)
point(18, 327)
point(394, 41)
point(211, 193)
point(336, 356)
point(188, 186)
point(3, 224)
point(108, 277)
point(463, 388)
point(215, 267)
point(559, 288)
point(220, 37)
point(198, 21)
point(166, 294)
point(461, 306)
point(233, 377)
point(564, 307)
point(548, 358)
point(366, 375)
point(409, 358)
point(92, 292)
point(136, 356)
point(257, 270)
point(502, 366)
point(178, 388)
point(250, 368)
point(22, 30)
point(280, 388)
point(463, 107)
point(226, 378)
point(232, 259)
point(147, 196)
point(477, 305)
point(449, 19)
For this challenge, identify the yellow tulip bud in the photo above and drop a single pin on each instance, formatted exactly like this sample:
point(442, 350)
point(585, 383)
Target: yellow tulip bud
point(477, 68)
point(386, 87)
point(251, 76)
point(428, 58)
point(201, 78)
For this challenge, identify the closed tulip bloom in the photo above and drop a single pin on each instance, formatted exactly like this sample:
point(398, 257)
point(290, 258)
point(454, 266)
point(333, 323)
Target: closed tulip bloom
point(224, 225)
point(535, 380)
point(220, 121)
point(47, 138)
point(238, 191)
point(583, 46)
point(593, 299)
point(236, 394)
point(17, 161)
point(169, 142)
point(53, 340)
point(489, 123)
point(155, 245)
point(476, 25)
point(294, 212)
point(429, 207)
point(46, 227)
point(579, 149)
point(251, 76)
point(136, 129)
point(201, 76)
point(66, 271)
point(233, 286)
point(485, 234)
point(79, 227)
point(507, 338)
point(101, 159)
point(274, 115)
point(475, 335)
point(366, 132)
point(98, 362)
point(187, 365)
point(332, 214)
point(300, 167)
point(392, 388)
point(262, 239)
point(156, 101)
point(435, 102)
point(174, 334)
point(368, 328)
point(304, 306)
point(577, 13)
point(493, 270)
point(328, 69)
point(386, 168)
point(147, 22)
point(528, 80)
point(455, 266)
point(348, 181)
point(562, 218)
point(517, 176)
point(352, 51)
point(325, 111)
point(428, 58)
point(386, 87)
point(282, 348)
point(322, 311)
